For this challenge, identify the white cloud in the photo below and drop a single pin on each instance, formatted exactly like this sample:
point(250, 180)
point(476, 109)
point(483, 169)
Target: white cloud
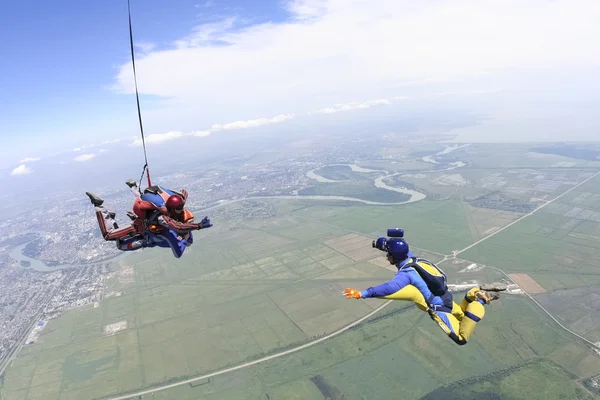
point(77, 149)
point(29, 159)
point(252, 123)
point(332, 51)
point(157, 138)
point(85, 157)
point(21, 170)
point(352, 106)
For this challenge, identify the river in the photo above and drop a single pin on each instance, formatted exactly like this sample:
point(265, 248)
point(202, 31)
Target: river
point(447, 149)
point(37, 265)
point(378, 182)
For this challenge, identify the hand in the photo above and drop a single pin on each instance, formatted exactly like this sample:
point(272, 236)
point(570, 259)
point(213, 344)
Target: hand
point(205, 223)
point(351, 293)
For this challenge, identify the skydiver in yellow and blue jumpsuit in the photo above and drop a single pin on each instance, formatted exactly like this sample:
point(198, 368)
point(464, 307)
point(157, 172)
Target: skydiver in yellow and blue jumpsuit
point(458, 322)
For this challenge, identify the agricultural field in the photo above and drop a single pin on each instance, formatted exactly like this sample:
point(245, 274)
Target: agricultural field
point(383, 358)
point(269, 277)
point(556, 254)
point(274, 283)
point(521, 155)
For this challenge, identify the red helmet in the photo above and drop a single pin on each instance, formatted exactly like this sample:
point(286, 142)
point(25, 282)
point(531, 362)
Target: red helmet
point(175, 203)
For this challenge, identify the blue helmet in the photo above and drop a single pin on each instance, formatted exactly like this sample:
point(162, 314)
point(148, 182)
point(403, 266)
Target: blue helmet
point(398, 249)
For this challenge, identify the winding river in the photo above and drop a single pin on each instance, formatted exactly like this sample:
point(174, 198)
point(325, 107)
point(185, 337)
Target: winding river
point(38, 265)
point(379, 181)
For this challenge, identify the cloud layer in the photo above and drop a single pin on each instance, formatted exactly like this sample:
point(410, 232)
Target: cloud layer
point(330, 51)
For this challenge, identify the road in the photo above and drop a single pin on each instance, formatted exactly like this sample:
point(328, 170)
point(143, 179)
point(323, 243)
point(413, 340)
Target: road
point(547, 312)
point(345, 328)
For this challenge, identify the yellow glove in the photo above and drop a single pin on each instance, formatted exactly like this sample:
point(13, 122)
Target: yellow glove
point(351, 293)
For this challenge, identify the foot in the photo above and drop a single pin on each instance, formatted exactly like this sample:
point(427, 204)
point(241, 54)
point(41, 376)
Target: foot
point(486, 296)
point(131, 215)
point(96, 201)
point(131, 183)
point(486, 292)
point(493, 287)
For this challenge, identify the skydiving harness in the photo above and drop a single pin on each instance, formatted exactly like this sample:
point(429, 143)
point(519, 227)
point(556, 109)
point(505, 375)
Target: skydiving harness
point(435, 279)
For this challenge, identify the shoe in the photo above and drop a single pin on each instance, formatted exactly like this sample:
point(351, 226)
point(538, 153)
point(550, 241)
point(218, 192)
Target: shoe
point(493, 287)
point(131, 215)
point(96, 201)
point(131, 183)
point(486, 292)
point(486, 296)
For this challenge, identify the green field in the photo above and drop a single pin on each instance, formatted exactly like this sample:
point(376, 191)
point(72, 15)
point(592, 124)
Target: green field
point(562, 255)
point(254, 285)
point(403, 351)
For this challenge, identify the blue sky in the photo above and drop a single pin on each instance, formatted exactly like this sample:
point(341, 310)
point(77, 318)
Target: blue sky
point(209, 68)
point(62, 57)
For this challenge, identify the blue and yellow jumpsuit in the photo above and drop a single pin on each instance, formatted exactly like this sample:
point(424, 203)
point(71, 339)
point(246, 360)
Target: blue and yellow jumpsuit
point(458, 322)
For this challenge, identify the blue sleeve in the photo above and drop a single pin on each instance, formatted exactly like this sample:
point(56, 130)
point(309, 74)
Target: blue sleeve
point(400, 280)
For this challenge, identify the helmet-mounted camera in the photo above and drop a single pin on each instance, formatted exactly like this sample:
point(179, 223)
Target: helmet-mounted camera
point(381, 243)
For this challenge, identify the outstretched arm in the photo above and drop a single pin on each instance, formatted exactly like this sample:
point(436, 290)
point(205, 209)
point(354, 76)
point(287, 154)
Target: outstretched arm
point(397, 283)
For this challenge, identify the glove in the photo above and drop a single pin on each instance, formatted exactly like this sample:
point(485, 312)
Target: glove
point(351, 293)
point(205, 223)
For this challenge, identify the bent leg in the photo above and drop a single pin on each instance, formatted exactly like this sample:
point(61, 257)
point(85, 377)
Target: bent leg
point(473, 307)
point(460, 324)
point(108, 226)
point(106, 221)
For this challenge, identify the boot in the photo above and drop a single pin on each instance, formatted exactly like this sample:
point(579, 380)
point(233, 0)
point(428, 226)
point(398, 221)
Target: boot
point(131, 183)
point(486, 296)
point(493, 287)
point(487, 292)
point(96, 200)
